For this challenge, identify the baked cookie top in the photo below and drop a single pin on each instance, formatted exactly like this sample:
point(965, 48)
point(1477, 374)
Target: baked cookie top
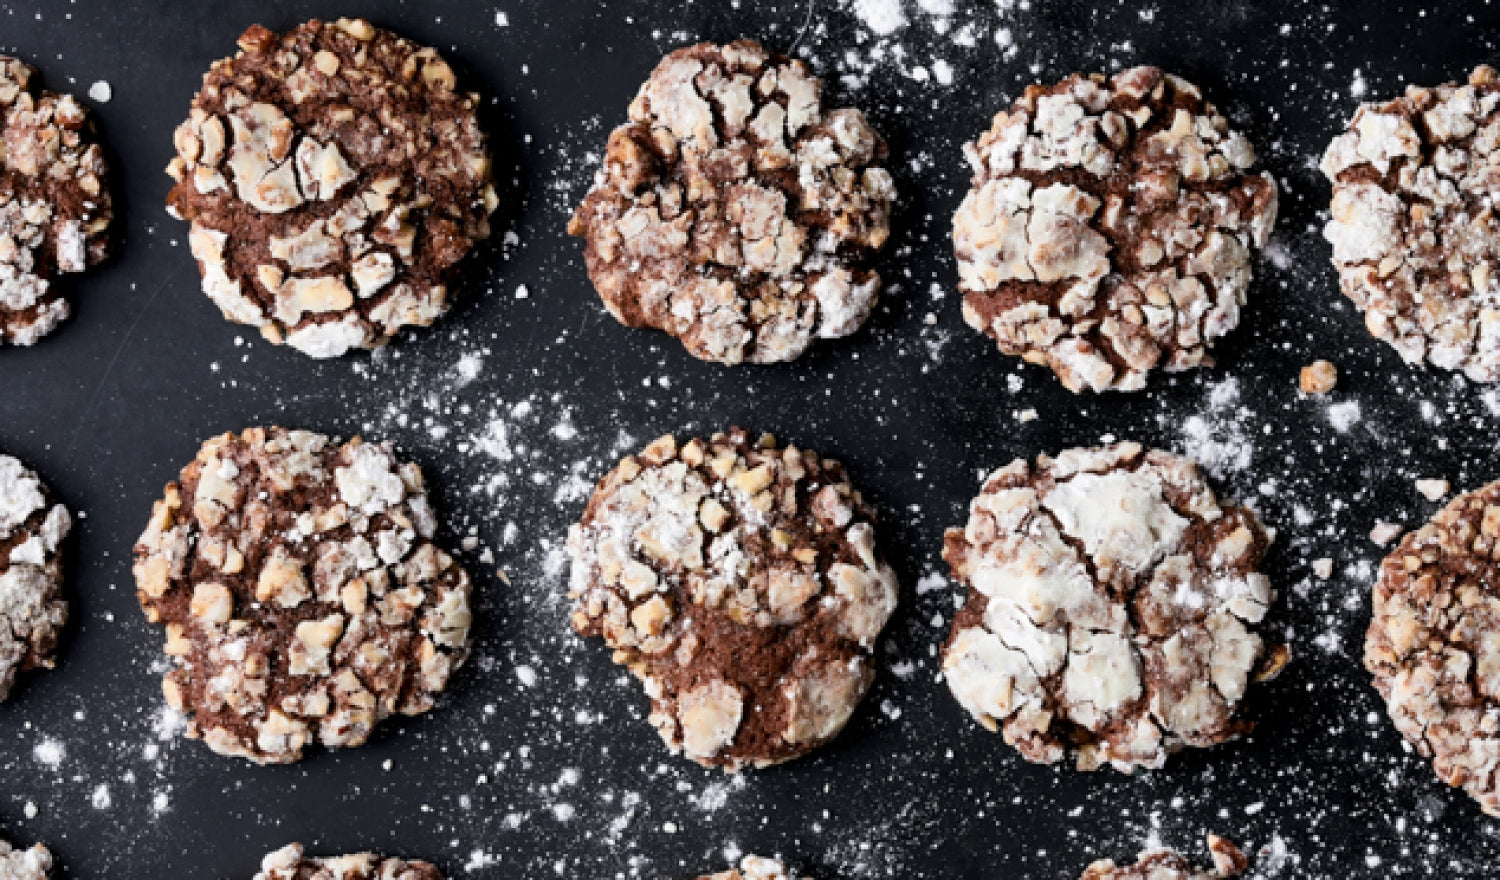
point(24, 864)
point(333, 178)
point(32, 610)
point(55, 207)
point(1433, 644)
point(291, 863)
point(1113, 608)
point(734, 211)
point(739, 582)
point(1109, 228)
point(303, 599)
point(1166, 864)
point(755, 868)
point(1413, 230)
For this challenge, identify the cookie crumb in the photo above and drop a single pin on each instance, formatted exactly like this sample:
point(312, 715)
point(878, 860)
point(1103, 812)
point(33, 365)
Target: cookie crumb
point(101, 92)
point(1319, 377)
point(1384, 532)
point(1323, 568)
point(1432, 490)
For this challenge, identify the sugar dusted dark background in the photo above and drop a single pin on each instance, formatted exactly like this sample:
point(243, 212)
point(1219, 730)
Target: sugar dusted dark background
point(539, 762)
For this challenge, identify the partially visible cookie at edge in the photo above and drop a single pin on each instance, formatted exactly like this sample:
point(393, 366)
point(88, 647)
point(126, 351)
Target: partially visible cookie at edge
point(24, 864)
point(334, 178)
point(32, 608)
point(735, 211)
point(1166, 864)
point(303, 599)
point(1109, 228)
point(1413, 226)
point(1433, 645)
point(55, 207)
point(756, 868)
point(1114, 608)
point(292, 863)
point(739, 581)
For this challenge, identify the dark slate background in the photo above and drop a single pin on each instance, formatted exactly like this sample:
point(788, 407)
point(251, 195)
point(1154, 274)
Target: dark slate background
point(539, 762)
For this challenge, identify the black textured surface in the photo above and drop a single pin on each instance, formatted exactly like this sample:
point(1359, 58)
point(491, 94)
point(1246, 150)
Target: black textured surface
point(563, 777)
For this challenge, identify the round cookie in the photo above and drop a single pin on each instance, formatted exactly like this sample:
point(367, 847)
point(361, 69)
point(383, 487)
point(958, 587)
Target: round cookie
point(1109, 228)
point(1112, 609)
point(333, 179)
point(55, 208)
point(739, 582)
point(1433, 645)
point(32, 610)
point(24, 864)
point(1413, 230)
point(755, 868)
point(1166, 864)
point(734, 211)
point(290, 863)
point(302, 597)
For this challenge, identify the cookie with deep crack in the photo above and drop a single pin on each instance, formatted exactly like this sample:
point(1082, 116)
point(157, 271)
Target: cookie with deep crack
point(292, 863)
point(738, 580)
point(334, 178)
point(1114, 608)
point(1166, 864)
point(24, 864)
point(303, 599)
point(1413, 229)
point(755, 868)
point(1109, 228)
point(55, 206)
point(32, 609)
point(1433, 645)
point(734, 211)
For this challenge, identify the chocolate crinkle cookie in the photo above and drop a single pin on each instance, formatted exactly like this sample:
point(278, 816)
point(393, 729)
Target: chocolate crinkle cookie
point(755, 868)
point(1112, 609)
point(55, 208)
point(32, 610)
point(734, 211)
point(1165, 864)
point(1433, 645)
point(333, 178)
point(739, 582)
point(291, 863)
point(1414, 233)
point(24, 864)
point(1109, 228)
point(302, 596)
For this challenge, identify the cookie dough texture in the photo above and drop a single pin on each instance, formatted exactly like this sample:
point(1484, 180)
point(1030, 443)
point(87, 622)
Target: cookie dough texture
point(739, 582)
point(291, 863)
point(1112, 609)
point(1414, 232)
point(755, 868)
point(1165, 864)
point(333, 178)
point(303, 599)
point(1433, 645)
point(32, 610)
point(1109, 228)
point(734, 211)
point(55, 207)
point(24, 864)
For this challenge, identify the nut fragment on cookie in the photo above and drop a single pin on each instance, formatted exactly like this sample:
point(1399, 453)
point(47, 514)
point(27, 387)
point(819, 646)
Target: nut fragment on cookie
point(32, 609)
point(1318, 377)
point(55, 207)
point(738, 580)
point(1412, 223)
point(333, 179)
point(1114, 608)
point(1166, 864)
point(1433, 645)
point(1109, 228)
point(24, 864)
point(735, 211)
point(292, 863)
point(755, 868)
point(303, 599)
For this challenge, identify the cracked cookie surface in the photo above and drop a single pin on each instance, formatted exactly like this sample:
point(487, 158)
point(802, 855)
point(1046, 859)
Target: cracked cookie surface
point(1112, 609)
point(303, 599)
point(1413, 230)
point(24, 864)
point(1166, 864)
point(292, 863)
point(734, 211)
point(755, 868)
point(1433, 645)
point(739, 582)
point(333, 179)
point(32, 609)
point(55, 207)
point(1109, 228)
